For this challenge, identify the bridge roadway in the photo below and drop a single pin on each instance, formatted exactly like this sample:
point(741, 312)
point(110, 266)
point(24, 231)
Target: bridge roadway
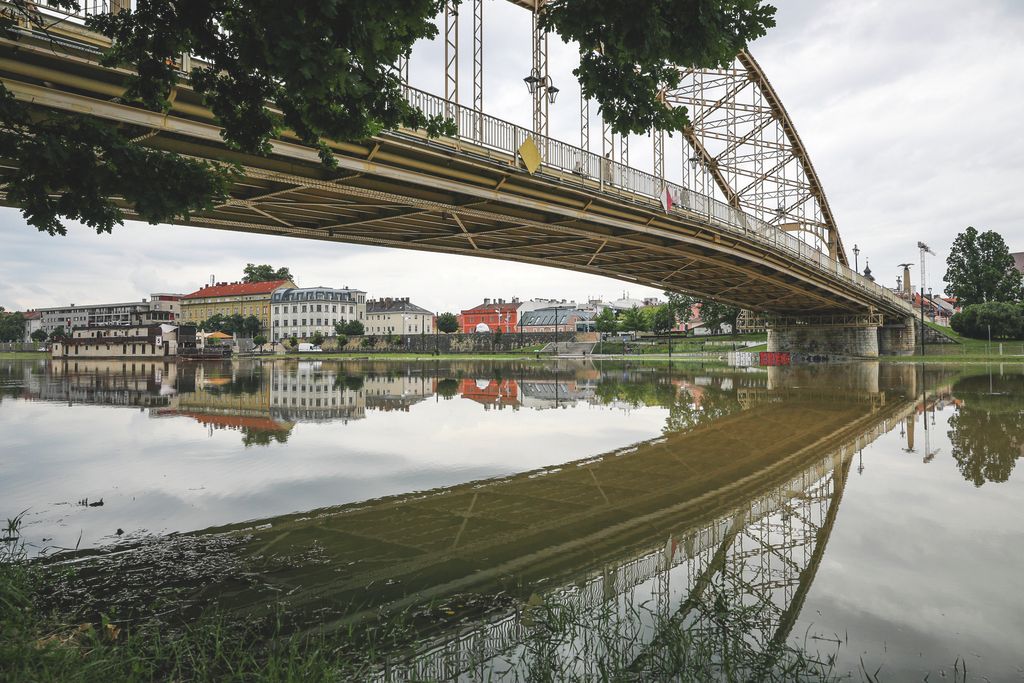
point(466, 195)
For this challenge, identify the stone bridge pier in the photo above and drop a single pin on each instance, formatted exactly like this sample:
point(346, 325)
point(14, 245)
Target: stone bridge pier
point(836, 337)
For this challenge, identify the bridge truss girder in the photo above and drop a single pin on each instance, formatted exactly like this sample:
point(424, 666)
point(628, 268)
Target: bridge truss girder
point(742, 142)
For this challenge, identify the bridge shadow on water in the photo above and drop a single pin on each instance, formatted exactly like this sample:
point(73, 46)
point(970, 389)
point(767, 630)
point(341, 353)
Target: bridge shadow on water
point(692, 552)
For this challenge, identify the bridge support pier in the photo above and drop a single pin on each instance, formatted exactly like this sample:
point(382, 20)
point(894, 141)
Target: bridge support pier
point(829, 337)
point(825, 340)
point(898, 339)
point(833, 337)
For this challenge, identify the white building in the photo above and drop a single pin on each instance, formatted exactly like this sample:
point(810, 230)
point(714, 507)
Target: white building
point(537, 304)
point(397, 317)
point(162, 307)
point(302, 312)
point(33, 322)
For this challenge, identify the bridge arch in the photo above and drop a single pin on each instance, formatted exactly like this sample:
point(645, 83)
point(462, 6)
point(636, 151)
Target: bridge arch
point(743, 143)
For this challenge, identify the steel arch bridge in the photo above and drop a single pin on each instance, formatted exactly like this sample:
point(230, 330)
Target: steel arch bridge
point(747, 223)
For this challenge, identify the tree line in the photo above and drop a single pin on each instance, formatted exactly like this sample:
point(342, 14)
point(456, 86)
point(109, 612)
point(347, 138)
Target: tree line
point(982, 277)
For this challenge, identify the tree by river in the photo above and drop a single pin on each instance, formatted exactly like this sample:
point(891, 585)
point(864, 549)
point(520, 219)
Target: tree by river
point(987, 431)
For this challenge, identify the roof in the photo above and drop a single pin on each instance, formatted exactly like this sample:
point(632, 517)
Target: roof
point(85, 307)
point(546, 316)
point(219, 335)
point(1018, 260)
point(238, 289)
point(492, 306)
point(32, 315)
point(394, 306)
point(316, 294)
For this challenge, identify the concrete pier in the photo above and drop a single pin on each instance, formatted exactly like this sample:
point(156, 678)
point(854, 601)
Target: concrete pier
point(833, 341)
point(898, 339)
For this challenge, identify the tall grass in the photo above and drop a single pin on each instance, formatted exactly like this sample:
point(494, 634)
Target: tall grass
point(721, 637)
point(40, 646)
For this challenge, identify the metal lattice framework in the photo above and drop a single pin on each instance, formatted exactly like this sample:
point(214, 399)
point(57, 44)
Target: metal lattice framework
point(743, 143)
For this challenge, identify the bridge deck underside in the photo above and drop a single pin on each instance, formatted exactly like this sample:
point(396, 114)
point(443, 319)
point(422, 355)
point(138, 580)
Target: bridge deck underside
point(402, 190)
point(365, 208)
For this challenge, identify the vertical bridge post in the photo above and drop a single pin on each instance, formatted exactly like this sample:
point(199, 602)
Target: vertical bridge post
point(478, 70)
point(540, 68)
point(451, 54)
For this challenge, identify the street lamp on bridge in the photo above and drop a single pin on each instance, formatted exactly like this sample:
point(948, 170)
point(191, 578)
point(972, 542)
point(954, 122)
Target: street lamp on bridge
point(535, 81)
point(856, 261)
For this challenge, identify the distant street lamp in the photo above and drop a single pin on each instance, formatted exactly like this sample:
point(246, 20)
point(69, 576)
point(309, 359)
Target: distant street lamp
point(856, 261)
point(535, 81)
point(556, 329)
point(924, 250)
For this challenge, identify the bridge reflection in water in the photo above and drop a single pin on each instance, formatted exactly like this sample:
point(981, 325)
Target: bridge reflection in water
point(715, 529)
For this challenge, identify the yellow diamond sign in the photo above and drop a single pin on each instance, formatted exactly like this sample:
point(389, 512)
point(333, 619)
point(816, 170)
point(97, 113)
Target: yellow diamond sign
point(530, 155)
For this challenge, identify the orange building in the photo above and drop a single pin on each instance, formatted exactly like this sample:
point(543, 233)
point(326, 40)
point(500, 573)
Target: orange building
point(496, 315)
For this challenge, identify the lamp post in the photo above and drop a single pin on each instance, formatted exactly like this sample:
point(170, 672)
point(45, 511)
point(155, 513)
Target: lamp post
point(535, 81)
point(924, 249)
point(556, 329)
point(856, 260)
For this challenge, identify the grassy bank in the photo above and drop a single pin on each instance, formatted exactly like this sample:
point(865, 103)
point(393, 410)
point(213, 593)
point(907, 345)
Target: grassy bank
point(23, 355)
point(965, 350)
point(41, 644)
point(83, 647)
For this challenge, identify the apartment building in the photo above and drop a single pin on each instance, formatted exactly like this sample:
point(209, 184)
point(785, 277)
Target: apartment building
point(302, 312)
point(163, 307)
point(232, 298)
point(397, 317)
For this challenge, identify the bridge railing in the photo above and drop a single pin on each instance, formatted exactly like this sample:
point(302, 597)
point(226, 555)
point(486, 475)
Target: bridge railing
point(497, 134)
point(86, 8)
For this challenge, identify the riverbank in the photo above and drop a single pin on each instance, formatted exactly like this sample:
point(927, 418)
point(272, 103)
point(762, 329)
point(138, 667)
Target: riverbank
point(965, 350)
point(81, 646)
point(24, 355)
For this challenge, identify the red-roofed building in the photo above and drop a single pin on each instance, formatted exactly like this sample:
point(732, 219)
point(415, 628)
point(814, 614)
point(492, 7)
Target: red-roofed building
point(493, 315)
point(231, 298)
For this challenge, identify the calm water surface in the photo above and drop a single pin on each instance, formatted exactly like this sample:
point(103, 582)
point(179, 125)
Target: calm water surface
point(867, 513)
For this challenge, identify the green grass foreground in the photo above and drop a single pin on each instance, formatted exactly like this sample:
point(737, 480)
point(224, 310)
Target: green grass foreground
point(965, 350)
point(36, 645)
point(24, 355)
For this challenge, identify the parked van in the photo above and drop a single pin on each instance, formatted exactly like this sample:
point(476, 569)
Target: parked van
point(305, 347)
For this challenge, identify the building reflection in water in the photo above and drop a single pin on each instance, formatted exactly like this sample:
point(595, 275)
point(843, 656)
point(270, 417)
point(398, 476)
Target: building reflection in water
point(716, 528)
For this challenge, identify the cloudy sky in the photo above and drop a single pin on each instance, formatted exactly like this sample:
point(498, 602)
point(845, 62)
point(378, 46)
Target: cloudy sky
point(907, 109)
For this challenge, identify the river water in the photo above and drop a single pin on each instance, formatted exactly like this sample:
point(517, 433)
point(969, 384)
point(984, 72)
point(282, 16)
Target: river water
point(578, 518)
